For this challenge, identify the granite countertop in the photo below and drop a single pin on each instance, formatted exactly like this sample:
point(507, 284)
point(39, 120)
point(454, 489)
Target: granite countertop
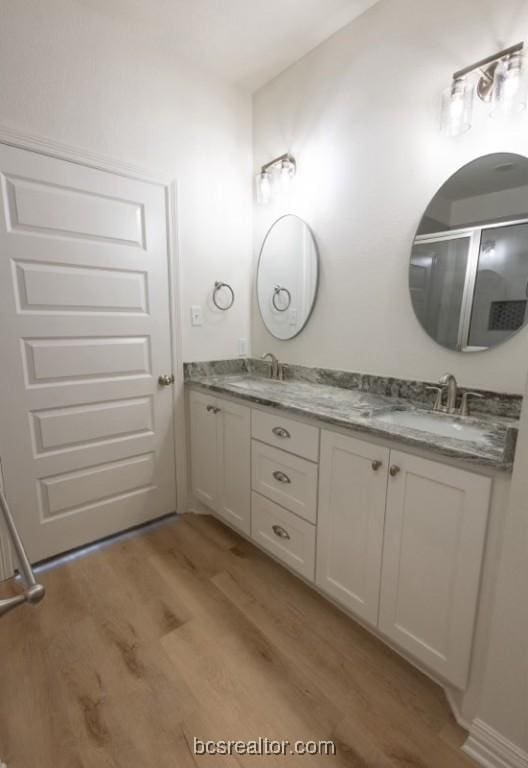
point(482, 442)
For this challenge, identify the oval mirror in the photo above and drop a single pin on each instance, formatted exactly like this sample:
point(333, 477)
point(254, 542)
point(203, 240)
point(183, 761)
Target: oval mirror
point(469, 263)
point(287, 276)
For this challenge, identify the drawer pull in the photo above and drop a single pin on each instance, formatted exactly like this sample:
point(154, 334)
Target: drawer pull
point(281, 532)
point(281, 477)
point(212, 409)
point(281, 432)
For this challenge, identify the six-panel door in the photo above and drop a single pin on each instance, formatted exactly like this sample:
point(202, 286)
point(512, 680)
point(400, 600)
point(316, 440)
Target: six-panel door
point(435, 529)
point(352, 488)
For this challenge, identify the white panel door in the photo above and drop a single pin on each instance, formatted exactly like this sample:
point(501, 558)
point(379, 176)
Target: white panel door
point(352, 493)
point(204, 426)
point(435, 528)
point(234, 464)
point(86, 436)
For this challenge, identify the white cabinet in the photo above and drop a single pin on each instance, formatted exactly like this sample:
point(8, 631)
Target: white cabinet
point(220, 457)
point(396, 539)
point(286, 479)
point(287, 434)
point(234, 464)
point(284, 535)
point(436, 519)
point(203, 448)
point(352, 489)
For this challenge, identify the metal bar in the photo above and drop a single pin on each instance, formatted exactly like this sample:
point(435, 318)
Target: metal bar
point(279, 159)
point(489, 60)
point(449, 234)
point(33, 592)
point(469, 288)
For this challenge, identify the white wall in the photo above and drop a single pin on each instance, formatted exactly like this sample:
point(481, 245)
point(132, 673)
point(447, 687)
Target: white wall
point(504, 697)
point(360, 114)
point(72, 75)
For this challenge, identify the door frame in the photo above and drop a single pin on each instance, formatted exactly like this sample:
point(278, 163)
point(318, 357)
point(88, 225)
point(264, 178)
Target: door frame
point(44, 146)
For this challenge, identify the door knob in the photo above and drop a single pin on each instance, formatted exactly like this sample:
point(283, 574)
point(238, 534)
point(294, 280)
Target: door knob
point(166, 379)
point(393, 471)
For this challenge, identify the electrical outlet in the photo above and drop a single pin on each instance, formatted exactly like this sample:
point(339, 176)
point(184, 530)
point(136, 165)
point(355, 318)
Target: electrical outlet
point(196, 315)
point(242, 347)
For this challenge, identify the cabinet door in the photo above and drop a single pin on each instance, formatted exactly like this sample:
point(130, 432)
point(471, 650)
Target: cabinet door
point(352, 489)
point(234, 464)
point(434, 540)
point(203, 448)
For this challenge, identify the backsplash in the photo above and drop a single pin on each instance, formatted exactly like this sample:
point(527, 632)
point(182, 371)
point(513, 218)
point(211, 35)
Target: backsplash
point(492, 403)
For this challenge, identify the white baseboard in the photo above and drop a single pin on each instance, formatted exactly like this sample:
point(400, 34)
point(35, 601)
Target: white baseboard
point(491, 750)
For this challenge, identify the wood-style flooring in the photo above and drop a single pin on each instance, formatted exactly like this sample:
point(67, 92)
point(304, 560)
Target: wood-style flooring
point(189, 631)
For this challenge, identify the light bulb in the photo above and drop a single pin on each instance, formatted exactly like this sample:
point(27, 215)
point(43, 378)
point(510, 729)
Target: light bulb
point(457, 107)
point(263, 188)
point(510, 91)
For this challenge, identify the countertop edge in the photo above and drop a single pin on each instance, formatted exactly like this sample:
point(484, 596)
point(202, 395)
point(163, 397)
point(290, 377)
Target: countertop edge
point(415, 441)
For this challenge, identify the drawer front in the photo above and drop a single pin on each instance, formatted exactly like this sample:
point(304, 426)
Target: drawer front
point(285, 479)
point(284, 535)
point(287, 434)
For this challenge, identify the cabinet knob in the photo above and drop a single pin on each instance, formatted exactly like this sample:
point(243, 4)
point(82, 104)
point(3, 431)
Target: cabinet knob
point(211, 409)
point(282, 477)
point(393, 471)
point(280, 432)
point(376, 465)
point(166, 379)
point(281, 532)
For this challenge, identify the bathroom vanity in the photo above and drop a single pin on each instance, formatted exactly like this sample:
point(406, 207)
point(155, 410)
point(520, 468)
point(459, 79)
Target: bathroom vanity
point(381, 505)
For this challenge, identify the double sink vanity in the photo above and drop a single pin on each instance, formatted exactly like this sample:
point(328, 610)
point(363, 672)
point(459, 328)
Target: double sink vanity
point(388, 496)
point(379, 501)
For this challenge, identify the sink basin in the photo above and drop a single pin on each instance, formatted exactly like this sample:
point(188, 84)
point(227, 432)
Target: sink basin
point(254, 383)
point(444, 426)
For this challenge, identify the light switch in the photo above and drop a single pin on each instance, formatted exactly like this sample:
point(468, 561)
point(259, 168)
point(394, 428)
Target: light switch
point(196, 315)
point(242, 347)
point(293, 316)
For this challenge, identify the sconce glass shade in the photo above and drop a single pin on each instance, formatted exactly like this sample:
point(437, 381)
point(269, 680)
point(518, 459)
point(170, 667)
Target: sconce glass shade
point(510, 92)
point(263, 188)
point(457, 107)
point(287, 170)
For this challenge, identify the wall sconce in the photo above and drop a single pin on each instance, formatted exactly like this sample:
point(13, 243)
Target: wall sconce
point(502, 83)
point(278, 171)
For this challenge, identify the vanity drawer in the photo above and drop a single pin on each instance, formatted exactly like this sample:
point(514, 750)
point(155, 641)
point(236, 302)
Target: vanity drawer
point(284, 535)
point(285, 479)
point(287, 434)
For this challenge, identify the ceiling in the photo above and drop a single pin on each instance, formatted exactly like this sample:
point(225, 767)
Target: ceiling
point(246, 42)
point(491, 173)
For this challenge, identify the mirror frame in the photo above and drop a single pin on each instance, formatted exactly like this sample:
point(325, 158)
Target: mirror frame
point(467, 349)
point(317, 276)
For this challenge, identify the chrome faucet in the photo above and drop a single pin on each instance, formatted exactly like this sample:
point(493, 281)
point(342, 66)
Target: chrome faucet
point(274, 365)
point(449, 381)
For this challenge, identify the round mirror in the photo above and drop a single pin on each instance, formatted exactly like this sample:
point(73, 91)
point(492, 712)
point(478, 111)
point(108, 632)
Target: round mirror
point(469, 263)
point(287, 277)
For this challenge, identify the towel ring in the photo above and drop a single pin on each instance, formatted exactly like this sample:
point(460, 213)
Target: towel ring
point(218, 287)
point(276, 293)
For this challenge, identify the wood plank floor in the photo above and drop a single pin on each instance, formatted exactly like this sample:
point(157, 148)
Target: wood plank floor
point(189, 631)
